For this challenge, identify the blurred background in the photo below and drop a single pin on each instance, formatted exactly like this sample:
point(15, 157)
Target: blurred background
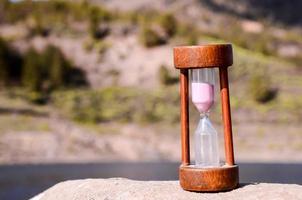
point(88, 88)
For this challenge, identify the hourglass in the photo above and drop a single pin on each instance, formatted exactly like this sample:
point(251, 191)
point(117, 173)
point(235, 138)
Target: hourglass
point(206, 174)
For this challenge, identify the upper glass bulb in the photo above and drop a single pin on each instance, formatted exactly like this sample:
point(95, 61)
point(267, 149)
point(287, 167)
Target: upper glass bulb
point(202, 88)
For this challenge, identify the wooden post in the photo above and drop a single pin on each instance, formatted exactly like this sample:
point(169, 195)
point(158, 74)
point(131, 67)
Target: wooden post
point(184, 117)
point(226, 115)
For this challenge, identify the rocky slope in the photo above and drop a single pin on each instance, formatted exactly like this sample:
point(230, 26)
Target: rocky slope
point(268, 132)
point(118, 188)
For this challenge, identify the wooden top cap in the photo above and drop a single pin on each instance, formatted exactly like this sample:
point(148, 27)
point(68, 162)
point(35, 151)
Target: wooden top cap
point(214, 55)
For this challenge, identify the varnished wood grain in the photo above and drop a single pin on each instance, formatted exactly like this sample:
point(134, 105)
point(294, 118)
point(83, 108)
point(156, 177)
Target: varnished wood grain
point(208, 179)
point(218, 55)
point(226, 116)
point(184, 117)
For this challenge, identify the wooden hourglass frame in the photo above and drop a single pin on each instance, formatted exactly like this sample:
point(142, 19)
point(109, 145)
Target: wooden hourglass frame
point(213, 179)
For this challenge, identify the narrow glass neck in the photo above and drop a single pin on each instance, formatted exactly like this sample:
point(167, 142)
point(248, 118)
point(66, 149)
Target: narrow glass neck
point(205, 114)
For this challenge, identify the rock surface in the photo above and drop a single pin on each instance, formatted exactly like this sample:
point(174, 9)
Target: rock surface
point(119, 188)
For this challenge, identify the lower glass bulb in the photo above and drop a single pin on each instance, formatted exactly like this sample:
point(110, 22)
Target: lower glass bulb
point(206, 144)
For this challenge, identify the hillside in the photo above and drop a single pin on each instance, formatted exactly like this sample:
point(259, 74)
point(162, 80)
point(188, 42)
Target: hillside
point(124, 53)
point(276, 11)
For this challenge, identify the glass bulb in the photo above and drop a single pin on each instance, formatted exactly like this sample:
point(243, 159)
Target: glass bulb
point(206, 140)
point(202, 87)
point(206, 144)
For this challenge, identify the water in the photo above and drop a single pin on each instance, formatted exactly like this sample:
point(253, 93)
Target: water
point(24, 181)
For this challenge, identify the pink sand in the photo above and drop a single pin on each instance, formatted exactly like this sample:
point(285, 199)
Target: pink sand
point(202, 96)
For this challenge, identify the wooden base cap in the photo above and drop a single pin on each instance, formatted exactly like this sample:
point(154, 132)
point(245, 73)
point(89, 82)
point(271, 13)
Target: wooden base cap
point(218, 179)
